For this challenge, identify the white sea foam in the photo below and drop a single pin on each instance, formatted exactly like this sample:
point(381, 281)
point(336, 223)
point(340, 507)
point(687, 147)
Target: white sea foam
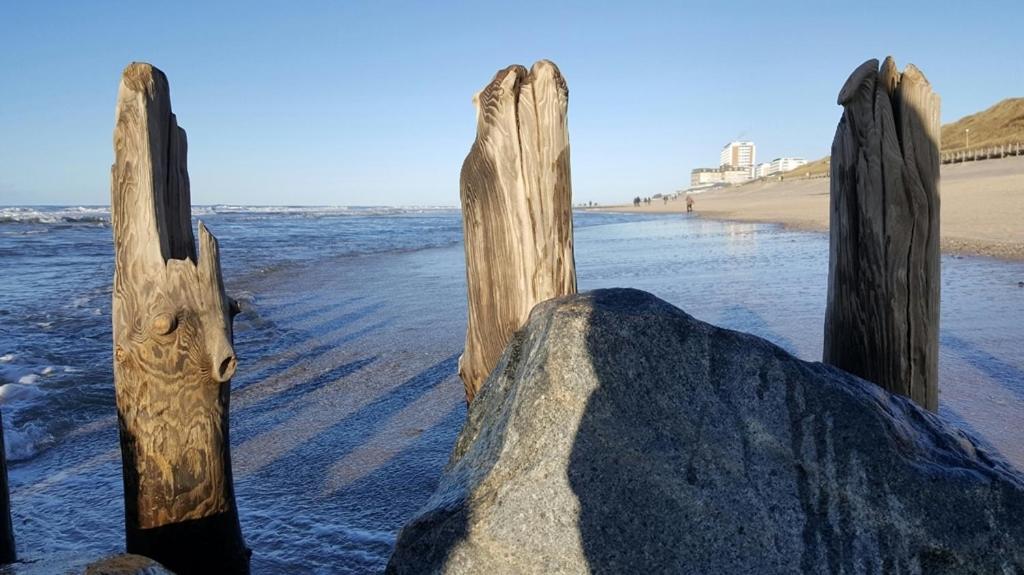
point(46, 215)
point(25, 441)
point(19, 392)
point(21, 385)
point(317, 211)
point(101, 214)
point(6, 358)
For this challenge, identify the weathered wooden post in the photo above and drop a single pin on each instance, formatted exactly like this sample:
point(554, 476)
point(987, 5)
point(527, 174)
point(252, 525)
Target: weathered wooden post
point(173, 355)
point(516, 210)
point(882, 315)
point(7, 551)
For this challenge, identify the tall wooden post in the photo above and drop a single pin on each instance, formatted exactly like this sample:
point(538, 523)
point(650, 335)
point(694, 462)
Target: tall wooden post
point(882, 316)
point(516, 210)
point(7, 551)
point(173, 356)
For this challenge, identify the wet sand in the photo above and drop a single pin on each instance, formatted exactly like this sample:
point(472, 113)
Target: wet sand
point(982, 206)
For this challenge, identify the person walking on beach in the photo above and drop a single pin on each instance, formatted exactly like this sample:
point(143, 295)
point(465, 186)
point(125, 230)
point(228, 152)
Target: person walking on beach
point(689, 203)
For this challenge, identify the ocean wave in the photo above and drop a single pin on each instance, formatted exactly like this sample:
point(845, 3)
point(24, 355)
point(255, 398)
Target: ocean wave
point(95, 215)
point(25, 441)
point(19, 384)
point(100, 215)
point(22, 385)
point(24, 390)
point(319, 211)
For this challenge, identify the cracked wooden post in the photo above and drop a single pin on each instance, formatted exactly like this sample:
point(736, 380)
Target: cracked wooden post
point(7, 550)
point(516, 210)
point(882, 315)
point(173, 355)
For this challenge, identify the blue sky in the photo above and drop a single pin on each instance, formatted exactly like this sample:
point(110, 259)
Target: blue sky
point(368, 103)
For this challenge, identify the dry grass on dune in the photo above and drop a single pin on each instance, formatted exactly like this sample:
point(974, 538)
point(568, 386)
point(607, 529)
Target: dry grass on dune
point(1000, 124)
point(813, 169)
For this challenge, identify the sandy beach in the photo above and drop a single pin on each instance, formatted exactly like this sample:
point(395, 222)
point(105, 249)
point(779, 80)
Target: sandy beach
point(982, 206)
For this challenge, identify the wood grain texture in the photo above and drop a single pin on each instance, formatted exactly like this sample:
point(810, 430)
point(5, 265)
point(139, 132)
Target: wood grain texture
point(882, 314)
point(517, 210)
point(173, 354)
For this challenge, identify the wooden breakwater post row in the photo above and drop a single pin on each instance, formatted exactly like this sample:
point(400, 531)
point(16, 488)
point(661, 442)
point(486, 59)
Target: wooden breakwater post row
point(516, 194)
point(173, 354)
point(882, 313)
point(7, 549)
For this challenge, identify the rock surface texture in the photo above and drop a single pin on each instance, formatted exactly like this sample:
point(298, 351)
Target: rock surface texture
point(618, 435)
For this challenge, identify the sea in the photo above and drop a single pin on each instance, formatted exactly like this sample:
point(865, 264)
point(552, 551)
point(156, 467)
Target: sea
point(346, 401)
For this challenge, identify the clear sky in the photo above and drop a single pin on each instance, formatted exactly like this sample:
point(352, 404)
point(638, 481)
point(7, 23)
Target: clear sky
point(368, 103)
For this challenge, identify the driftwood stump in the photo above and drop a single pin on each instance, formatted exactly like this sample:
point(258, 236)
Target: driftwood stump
point(173, 356)
point(7, 551)
point(516, 210)
point(882, 316)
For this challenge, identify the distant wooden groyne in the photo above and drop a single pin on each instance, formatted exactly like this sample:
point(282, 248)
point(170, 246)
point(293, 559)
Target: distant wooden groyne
point(983, 153)
point(7, 549)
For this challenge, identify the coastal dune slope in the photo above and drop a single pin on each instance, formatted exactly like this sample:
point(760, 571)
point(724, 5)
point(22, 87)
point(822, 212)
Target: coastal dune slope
point(1003, 123)
point(998, 125)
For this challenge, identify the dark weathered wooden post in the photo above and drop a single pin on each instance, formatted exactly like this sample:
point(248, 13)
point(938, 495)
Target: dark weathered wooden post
point(173, 355)
point(516, 210)
point(7, 551)
point(882, 316)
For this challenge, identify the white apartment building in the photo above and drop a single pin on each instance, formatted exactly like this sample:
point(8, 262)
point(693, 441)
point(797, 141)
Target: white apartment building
point(703, 176)
point(735, 175)
point(761, 170)
point(738, 155)
point(780, 165)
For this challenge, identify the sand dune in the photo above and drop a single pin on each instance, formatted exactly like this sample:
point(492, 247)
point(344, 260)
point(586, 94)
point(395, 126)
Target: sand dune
point(982, 206)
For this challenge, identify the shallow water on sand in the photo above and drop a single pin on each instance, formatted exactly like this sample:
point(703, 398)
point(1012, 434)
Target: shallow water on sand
point(346, 401)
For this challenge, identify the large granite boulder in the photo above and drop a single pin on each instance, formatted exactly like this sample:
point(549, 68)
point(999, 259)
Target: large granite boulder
point(620, 435)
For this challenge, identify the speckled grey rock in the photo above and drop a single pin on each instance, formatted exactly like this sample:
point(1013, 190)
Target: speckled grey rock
point(620, 435)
